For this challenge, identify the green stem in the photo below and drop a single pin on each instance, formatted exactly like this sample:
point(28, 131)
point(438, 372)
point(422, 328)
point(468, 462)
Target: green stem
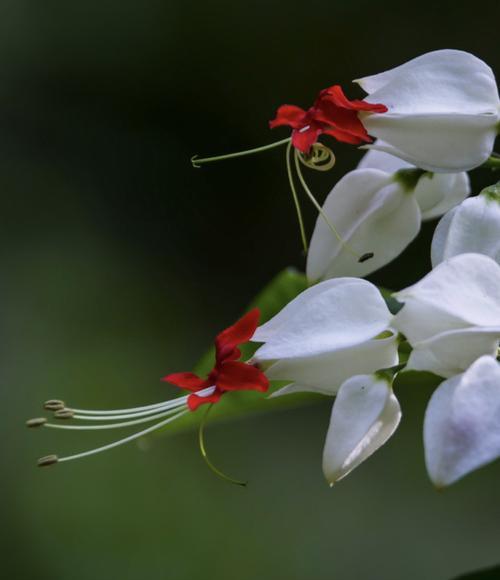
point(197, 162)
point(296, 198)
point(493, 162)
point(203, 451)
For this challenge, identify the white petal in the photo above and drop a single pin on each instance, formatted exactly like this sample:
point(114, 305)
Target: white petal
point(334, 314)
point(439, 81)
point(474, 226)
point(272, 327)
point(437, 142)
point(377, 159)
point(441, 237)
point(365, 414)
point(325, 373)
point(460, 292)
point(374, 214)
point(443, 111)
point(462, 423)
point(450, 353)
point(439, 192)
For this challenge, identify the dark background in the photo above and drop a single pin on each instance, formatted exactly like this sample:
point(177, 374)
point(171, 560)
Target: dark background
point(120, 262)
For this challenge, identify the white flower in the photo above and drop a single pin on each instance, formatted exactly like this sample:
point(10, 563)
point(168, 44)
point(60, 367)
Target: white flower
point(462, 423)
point(378, 208)
point(365, 414)
point(329, 333)
point(443, 111)
point(473, 226)
point(452, 316)
point(331, 339)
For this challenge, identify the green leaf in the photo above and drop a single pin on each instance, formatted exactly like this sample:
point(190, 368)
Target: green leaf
point(279, 292)
point(489, 574)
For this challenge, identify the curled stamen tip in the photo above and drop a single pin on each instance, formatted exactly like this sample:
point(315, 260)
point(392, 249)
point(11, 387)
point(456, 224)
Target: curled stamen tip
point(63, 414)
point(53, 405)
point(36, 422)
point(366, 257)
point(48, 460)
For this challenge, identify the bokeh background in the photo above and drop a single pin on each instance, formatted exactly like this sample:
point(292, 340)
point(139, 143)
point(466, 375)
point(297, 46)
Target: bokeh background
point(120, 262)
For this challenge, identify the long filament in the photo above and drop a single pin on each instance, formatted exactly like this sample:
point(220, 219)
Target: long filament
point(296, 198)
point(110, 425)
point(163, 404)
point(197, 162)
point(320, 210)
point(124, 440)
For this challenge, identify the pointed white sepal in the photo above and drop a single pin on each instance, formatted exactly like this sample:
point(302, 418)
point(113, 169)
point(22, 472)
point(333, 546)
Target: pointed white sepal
point(325, 373)
point(459, 293)
point(364, 416)
point(452, 352)
point(435, 193)
point(443, 111)
point(373, 214)
point(473, 226)
point(462, 423)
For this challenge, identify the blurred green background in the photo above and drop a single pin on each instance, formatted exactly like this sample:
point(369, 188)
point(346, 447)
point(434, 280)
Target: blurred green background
point(120, 262)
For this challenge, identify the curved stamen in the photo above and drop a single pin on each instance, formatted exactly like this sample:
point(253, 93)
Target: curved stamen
point(110, 425)
point(166, 407)
point(54, 459)
point(115, 411)
point(163, 405)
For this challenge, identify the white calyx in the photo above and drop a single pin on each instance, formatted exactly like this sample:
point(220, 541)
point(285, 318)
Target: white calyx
point(443, 111)
point(378, 208)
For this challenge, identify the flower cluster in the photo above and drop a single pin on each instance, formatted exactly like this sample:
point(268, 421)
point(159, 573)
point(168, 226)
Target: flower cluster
point(425, 123)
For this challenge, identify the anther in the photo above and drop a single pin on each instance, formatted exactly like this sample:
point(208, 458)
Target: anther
point(366, 257)
point(54, 405)
point(48, 460)
point(64, 414)
point(36, 422)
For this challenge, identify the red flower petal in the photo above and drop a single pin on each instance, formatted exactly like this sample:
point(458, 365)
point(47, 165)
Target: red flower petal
point(194, 401)
point(240, 376)
point(188, 381)
point(336, 96)
point(240, 332)
point(289, 115)
point(304, 139)
point(333, 113)
point(341, 116)
point(346, 137)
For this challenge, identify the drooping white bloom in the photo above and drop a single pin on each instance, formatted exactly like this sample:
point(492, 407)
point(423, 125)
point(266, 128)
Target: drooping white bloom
point(365, 414)
point(329, 340)
point(452, 316)
point(462, 423)
point(378, 208)
point(329, 333)
point(443, 111)
point(473, 226)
